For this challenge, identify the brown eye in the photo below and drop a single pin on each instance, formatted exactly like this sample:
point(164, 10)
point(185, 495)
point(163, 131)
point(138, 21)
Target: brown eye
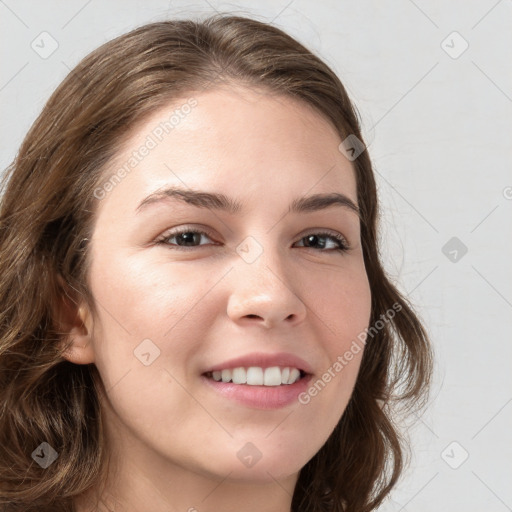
point(185, 238)
point(319, 239)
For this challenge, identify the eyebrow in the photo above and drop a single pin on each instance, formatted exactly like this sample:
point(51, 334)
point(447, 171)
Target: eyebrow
point(219, 201)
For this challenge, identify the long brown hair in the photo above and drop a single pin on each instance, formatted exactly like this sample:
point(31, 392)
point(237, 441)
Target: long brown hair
point(46, 217)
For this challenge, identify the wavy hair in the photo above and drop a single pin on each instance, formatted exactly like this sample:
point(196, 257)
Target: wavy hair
point(47, 211)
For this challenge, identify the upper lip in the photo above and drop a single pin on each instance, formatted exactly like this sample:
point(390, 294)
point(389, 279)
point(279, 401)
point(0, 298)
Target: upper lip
point(263, 360)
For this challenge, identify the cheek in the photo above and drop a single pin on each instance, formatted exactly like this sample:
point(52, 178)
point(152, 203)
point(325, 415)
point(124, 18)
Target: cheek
point(150, 306)
point(342, 301)
point(147, 332)
point(344, 309)
point(140, 300)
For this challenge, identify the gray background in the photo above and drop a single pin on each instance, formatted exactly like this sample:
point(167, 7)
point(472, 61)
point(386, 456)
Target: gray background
point(437, 123)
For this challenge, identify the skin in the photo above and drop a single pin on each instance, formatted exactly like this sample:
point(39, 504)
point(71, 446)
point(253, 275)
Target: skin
point(173, 440)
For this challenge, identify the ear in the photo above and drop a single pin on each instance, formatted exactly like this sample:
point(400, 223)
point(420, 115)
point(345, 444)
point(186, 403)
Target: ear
point(74, 323)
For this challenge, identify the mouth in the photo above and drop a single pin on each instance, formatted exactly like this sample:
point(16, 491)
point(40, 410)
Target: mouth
point(255, 387)
point(258, 376)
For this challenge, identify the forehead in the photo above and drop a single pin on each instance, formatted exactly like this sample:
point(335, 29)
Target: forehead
point(242, 142)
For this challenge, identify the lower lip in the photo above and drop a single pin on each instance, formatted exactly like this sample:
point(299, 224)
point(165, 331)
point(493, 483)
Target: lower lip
point(261, 397)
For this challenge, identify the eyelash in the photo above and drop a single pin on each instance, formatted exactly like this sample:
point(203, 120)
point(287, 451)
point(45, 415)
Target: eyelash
point(340, 240)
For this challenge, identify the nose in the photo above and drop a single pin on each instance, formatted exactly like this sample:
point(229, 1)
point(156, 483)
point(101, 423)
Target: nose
point(265, 293)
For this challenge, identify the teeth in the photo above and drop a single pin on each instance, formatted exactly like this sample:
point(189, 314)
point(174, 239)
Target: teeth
point(272, 376)
point(294, 375)
point(239, 376)
point(256, 376)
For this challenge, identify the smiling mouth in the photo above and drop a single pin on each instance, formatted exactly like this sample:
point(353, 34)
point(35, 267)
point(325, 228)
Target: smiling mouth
point(257, 376)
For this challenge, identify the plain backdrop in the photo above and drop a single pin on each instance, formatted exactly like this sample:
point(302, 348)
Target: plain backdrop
point(432, 82)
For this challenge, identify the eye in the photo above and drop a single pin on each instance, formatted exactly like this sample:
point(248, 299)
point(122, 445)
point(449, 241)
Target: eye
point(340, 243)
point(188, 238)
point(185, 237)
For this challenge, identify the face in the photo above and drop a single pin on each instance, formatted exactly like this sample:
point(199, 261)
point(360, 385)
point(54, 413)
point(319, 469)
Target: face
point(185, 286)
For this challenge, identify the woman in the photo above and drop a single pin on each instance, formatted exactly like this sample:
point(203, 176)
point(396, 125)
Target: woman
point(194, 313)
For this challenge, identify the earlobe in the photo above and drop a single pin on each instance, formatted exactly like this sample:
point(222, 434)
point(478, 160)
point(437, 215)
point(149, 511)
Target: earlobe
point(74, 323)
